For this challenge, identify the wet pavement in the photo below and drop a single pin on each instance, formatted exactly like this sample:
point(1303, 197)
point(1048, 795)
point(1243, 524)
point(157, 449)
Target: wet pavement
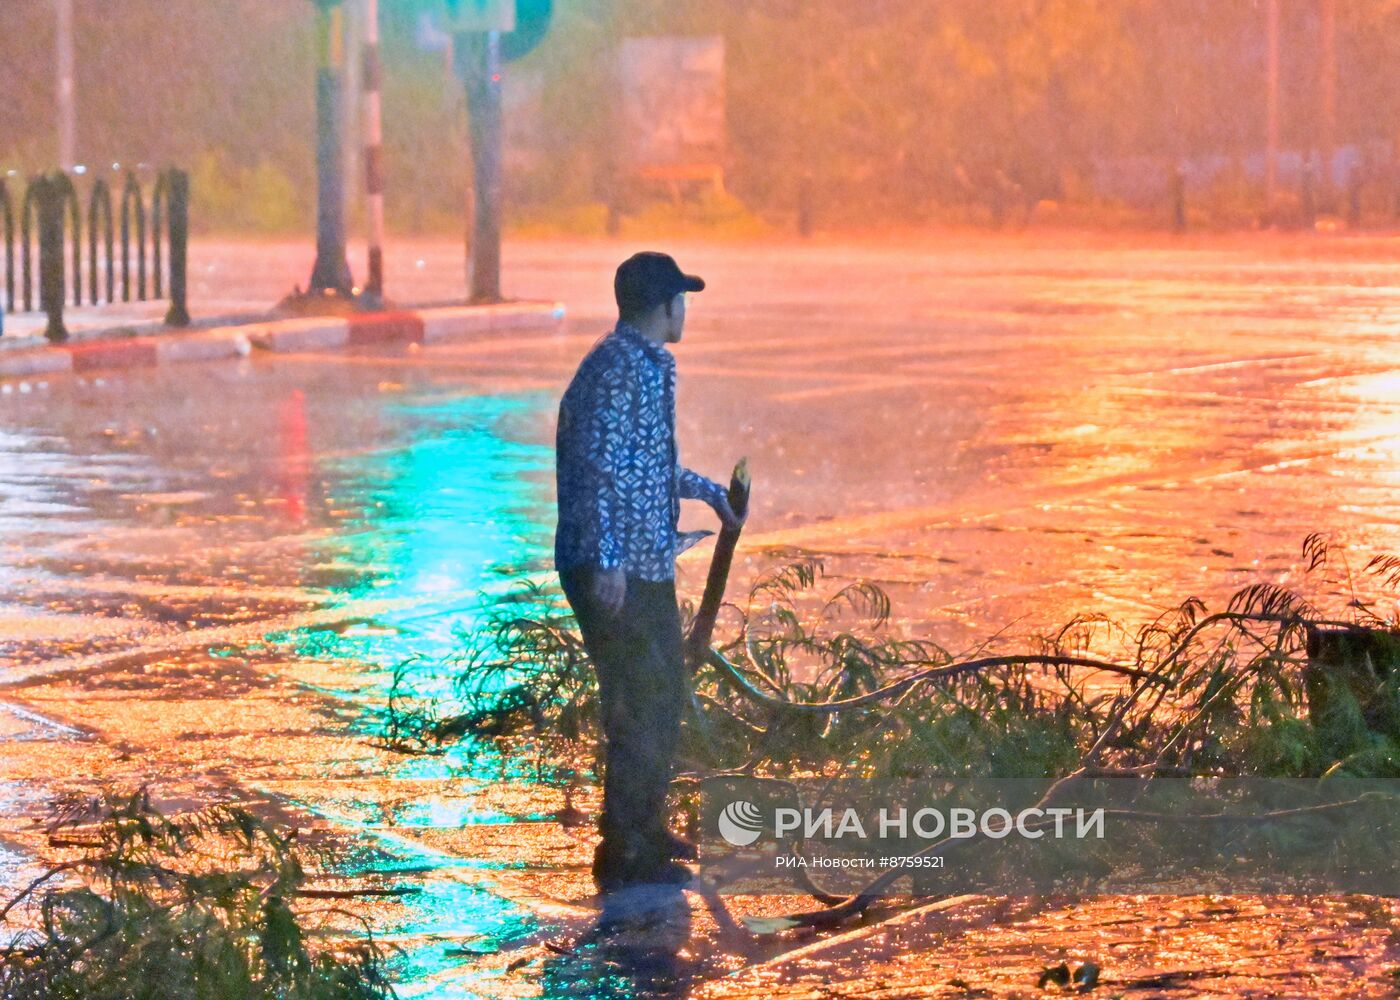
point(210, 572)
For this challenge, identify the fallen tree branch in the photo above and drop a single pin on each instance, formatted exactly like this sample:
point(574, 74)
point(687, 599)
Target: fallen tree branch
point(1273, 816)
point(941, 672)
point(392, 891)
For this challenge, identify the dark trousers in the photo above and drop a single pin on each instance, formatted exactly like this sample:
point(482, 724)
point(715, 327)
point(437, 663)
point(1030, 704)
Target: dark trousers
point(642, 690)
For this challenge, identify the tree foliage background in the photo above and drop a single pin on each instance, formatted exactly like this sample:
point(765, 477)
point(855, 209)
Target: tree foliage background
point(884, 109)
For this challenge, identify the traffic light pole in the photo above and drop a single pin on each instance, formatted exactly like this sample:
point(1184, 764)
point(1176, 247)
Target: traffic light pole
point(1271, 109)
point(479, 66)
point(1327, 96)
point(373, 153)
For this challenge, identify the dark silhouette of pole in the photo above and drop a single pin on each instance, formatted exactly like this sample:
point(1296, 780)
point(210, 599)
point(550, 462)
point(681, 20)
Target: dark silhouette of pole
point(373, 151)
point(1177, 184)
point(178, 314)
point(479, 65)
point(1327, 96)
point(1308, 196)
point(1354, 182)
point(804, 206)
point(1271, 152)
point(331, 272)
point(48, 194)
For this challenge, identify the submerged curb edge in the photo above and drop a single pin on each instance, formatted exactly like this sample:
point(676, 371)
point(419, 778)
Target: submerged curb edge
point(419, 326)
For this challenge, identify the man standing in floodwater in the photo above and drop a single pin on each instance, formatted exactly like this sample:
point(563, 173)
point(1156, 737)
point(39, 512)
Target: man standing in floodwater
point(620, 484)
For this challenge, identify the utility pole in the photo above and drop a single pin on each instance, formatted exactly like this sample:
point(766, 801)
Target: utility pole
point(1327, 94)
point(373, 152)
point(331, 273)
point(1271, 153)
point(67, 115)
point(479, 65)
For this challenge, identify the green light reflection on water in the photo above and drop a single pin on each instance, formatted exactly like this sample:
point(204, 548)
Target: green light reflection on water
point(458, 514)
point(448, 913)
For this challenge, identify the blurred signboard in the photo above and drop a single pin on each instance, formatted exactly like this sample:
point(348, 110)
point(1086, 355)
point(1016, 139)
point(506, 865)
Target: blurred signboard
point(481, 15)
point(672, 102)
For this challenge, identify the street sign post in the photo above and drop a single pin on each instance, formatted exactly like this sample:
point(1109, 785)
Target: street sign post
point(478, 63)
point(331, 272)
point(477, 26)
point(479, 29)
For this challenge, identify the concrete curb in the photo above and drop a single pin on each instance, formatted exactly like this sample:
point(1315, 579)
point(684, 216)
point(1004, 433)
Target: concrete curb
point(414, 326)
point(209, 346)
point(135, 352)
point(44, 361)
point(314, 334)
point(468, 321)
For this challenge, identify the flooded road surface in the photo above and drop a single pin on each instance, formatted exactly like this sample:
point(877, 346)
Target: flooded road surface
point(210, 571)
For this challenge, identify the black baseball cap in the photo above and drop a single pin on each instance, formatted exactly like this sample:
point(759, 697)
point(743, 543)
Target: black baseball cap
point(647, 279)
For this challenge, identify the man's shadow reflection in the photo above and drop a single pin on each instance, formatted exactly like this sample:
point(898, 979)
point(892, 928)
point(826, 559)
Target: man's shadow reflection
point(633, 949)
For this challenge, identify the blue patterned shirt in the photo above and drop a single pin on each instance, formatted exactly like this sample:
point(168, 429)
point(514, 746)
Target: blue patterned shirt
point(619, 479)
